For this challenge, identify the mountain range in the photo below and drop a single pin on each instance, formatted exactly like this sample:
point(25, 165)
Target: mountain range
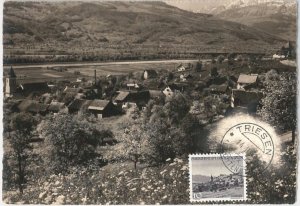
point(276, 17)
point(126, 23)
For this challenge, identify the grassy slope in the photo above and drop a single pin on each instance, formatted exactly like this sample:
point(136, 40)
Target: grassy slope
point(122, 23)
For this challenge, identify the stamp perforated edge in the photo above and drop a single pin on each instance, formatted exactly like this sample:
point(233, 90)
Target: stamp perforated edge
point(212, 200)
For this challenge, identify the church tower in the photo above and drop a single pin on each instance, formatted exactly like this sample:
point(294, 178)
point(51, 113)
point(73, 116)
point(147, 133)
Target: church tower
point(10, 83)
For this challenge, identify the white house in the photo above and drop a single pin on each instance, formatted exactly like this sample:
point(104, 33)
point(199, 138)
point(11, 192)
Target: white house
point(168, 91)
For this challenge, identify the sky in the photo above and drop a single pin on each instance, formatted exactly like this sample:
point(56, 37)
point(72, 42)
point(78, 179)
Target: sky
point(209, 167)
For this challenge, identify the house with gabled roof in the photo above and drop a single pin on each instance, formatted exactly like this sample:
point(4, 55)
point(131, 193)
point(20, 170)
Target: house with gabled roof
point(32, 87)
point(122, 97)
point(246, 80)
point(139, 98)
point(103, 108)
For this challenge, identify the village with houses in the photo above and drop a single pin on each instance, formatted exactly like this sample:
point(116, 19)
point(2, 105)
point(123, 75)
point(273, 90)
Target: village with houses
point(103, 102)
point(111, 95)
point(211, 89)
point(219, 183)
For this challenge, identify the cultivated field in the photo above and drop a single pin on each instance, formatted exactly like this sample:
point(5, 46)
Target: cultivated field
point(236, 192)
point(44, 72)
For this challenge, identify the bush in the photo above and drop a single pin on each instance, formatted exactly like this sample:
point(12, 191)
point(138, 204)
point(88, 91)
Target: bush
point(70, 141)
point(220, 58)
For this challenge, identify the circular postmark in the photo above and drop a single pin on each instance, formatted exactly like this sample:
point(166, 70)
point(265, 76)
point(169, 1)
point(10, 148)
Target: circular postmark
point(249, 139)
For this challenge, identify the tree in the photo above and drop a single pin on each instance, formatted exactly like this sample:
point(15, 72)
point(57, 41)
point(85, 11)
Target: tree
point(165, 141)
point(279, 104)
point(135, 144)
point(198, 67)
point(71, 141)
point(214, 72)
point(239, 58)
point(230, 56)
point(176, 108)
point(21, 126)
point(220, 59)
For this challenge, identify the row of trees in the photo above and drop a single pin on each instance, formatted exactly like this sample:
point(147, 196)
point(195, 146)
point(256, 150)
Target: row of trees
point(99, 57)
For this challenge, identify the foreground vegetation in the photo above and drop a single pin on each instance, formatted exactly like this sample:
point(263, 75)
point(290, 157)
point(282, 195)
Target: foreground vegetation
point(166, 184)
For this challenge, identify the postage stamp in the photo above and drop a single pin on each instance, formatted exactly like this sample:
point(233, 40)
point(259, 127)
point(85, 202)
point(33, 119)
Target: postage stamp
point(217, 177)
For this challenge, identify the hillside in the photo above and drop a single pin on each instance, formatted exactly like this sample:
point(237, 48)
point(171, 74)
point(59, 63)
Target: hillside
point(63, 25)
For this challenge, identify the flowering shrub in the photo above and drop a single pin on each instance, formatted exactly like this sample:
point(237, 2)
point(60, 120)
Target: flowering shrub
point(118, 183)
point(277, 184)
point(164, 185)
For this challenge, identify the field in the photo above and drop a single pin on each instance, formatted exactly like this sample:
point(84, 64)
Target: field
point(236, 192)
point(42, 72)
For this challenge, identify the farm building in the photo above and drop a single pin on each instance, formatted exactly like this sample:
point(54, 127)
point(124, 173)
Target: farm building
point(26, 89)
point(246, 99)
point(122, 97)
point(246, 80)
point(140, 98)
point(103, 108)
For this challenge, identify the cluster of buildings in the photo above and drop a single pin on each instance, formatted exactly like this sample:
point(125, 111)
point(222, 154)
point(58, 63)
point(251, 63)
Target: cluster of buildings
point(42, 98)
point(219, 183)
point(75, 97)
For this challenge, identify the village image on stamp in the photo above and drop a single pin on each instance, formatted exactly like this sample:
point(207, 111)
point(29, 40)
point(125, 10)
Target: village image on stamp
point(105, 102)
point(211, 180)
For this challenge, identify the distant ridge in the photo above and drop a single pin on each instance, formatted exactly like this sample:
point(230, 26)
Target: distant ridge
point(87, 24)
